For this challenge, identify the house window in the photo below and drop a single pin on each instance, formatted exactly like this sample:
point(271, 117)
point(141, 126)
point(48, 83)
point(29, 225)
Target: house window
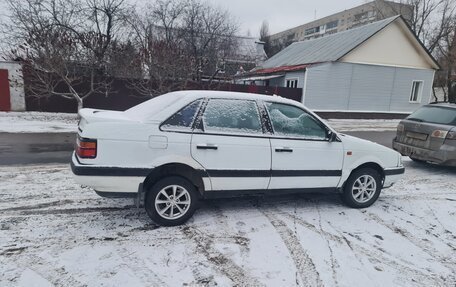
point(417, 89)
point(292, 83)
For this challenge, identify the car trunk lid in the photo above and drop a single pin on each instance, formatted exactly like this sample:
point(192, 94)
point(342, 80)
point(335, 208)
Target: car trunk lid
point(89, 116)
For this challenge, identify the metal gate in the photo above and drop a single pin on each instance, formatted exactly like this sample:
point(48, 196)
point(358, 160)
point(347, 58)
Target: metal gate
point(5, 99)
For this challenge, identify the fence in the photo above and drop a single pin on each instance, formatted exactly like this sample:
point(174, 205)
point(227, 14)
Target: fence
point(123, 97)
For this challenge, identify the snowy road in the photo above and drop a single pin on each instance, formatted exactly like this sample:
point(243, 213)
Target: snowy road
point(53, 232)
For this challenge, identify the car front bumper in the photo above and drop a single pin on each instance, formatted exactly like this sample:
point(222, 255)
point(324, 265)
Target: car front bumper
point(392, 175)
point(446, 155)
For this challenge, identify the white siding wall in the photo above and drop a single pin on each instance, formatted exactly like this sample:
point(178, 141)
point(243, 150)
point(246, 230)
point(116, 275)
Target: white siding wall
point(277, 82)
point(295, 75)
point(358, 87)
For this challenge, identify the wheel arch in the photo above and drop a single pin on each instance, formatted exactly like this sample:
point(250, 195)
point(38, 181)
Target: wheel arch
point(175, 169)
point(373, 165)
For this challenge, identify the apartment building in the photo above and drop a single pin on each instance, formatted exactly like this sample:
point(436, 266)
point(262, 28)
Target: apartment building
point(345, 20)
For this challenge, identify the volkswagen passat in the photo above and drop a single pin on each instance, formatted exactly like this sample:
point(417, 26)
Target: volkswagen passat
point(178, 148)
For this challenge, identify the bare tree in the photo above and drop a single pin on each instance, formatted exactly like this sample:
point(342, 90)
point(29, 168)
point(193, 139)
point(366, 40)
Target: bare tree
point(64, 44)
point(209, 36)
point(180, 41)
point(430, 20)
point(264, 37)
point(447, 58)
point(165, 65)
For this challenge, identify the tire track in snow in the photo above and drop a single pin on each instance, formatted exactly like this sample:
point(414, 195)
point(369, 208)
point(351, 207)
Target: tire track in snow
point(56, 276)
point(75, 210)
point(376, 254)
point(309, 226)
point(139, 267)
point(381, 256)
point(444, 232)
point(334, 262)
point(304, 264)
point(38, 206)
point(231, 235)
point(219, 261)
point(429, 250)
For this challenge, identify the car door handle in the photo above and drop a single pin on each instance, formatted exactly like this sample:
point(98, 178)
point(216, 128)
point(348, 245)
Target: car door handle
point(283, 149)
point(206, 146)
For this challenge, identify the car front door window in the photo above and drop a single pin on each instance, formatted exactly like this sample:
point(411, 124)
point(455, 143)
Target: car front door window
point(291, 121)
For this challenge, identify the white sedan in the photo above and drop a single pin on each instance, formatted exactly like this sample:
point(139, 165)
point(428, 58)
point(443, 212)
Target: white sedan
point(181, 147)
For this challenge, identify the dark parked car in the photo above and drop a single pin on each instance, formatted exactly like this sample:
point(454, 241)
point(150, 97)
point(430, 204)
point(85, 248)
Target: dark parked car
point(429, 134)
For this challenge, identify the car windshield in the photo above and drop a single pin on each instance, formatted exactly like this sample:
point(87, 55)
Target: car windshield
point(435, 115)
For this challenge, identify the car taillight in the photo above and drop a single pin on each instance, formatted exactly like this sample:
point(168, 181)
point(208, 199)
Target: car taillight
point(86, 148)
point(439, 134)
point(451, 135)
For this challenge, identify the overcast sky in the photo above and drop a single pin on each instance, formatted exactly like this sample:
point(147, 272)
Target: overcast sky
point(281, 14)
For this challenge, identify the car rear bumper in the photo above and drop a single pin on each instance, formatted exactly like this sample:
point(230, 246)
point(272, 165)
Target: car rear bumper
point(446, 155)
point(107, 180)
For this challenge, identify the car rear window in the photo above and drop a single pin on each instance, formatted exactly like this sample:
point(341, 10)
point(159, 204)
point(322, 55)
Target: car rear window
point(183, 119)
point(436, 115)
point(152, 106)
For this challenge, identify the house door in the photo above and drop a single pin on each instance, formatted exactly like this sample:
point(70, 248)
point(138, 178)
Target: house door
point(5, 102)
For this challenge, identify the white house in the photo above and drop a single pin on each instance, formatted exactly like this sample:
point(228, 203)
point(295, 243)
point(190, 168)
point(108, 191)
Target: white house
point(379, 67)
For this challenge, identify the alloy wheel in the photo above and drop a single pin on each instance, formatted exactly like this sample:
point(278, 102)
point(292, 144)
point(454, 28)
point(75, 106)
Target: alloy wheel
point(172, 202)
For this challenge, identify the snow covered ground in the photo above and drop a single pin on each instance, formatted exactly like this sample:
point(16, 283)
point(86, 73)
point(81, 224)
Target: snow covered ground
point(348, 125)
point(53, 232)
point(37, 122)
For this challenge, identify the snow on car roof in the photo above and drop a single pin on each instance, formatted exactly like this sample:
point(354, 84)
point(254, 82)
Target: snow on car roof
point(227, 94)
point(155, 105)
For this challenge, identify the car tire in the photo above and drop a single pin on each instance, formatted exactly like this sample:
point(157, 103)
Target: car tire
point(171, 201)
point(362, 188)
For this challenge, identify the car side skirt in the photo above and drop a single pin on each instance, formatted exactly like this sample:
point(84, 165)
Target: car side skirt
point(267, 192)
point(117, 194)
point(395, 171)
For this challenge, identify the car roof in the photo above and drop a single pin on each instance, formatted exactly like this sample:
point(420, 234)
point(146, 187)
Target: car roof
point(196, 94)
point(442, 104)
point(169, 103)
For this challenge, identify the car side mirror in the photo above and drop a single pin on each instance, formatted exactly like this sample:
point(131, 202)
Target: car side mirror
point(332, 136)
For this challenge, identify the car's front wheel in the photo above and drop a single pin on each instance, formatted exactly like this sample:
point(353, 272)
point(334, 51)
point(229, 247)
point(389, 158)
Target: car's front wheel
point(171, 201)
point(362, 188)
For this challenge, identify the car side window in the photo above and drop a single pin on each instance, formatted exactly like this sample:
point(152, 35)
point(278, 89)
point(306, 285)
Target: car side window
point(291, 121)
point(232, 116)
point(184, 118)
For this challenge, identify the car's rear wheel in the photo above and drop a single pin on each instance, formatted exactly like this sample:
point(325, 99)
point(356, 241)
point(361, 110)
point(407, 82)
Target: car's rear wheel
point(362, 188)
point(171, 201)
